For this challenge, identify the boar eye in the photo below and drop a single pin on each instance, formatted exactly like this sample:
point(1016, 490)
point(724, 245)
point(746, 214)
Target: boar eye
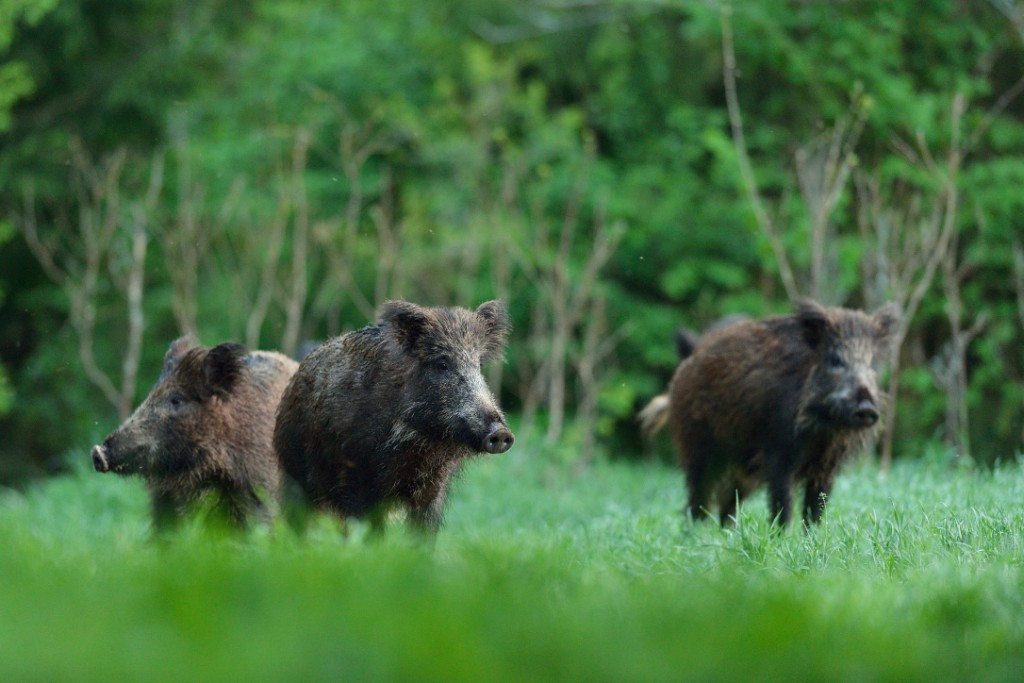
point(441, 365)
point(176, 400)
point(835, 361)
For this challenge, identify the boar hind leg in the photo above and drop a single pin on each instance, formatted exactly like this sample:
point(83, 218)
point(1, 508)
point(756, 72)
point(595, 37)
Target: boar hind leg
point(700, 484)
point(727, 511)
point(702, 461)
point(731, 496)
point(780, 497)
point(295, 506)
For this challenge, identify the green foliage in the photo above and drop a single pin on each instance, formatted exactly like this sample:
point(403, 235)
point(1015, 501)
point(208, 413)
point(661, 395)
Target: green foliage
point(6, 392)
point(15, 77)
point(475, 136)
point(912, 576)
point(15, 83)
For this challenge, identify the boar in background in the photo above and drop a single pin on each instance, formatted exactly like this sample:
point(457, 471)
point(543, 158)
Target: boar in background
point(778, 401)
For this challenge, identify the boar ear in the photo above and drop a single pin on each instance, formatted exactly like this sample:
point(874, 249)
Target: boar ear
point(686, 341)
point(886, 318)
point(814, 321)
point(175, 352)
point(222, 368)
point(407, 320)
point(496, 326)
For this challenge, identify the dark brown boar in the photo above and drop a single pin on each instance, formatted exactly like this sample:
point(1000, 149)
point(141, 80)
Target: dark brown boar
point(206, 427)
point(387, 414)
point(781, 400)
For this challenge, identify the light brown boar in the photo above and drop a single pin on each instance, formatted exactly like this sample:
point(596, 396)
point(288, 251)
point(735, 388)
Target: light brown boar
point(205, 428)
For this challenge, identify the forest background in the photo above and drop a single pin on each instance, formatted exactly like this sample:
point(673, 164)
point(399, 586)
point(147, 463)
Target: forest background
point(270, 172)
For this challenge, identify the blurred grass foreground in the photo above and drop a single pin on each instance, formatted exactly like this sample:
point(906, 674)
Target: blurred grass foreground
point(539, 574)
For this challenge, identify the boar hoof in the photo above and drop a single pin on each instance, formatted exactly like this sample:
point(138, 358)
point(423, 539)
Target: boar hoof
point(499, 440)
point(99, 459)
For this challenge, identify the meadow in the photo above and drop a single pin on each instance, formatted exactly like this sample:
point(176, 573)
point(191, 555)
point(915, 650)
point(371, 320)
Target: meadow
point(541, 572)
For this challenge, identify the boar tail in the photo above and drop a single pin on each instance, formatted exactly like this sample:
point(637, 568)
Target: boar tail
point(654, 416)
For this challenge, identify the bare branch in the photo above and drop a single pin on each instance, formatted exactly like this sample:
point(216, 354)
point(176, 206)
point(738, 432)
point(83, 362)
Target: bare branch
point(295, 299)
point(823, 169)
point(1013, 13)
point(1018, 280)
point(951, 196)
point(992, 114)
point(104, 241)
point(764, 221)
point(268, 249)
point(136, 315)
point(44, 253)
point(910, 247)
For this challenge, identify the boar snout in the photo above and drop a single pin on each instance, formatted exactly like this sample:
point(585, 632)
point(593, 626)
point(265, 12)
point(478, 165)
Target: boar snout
point(499, 439)
point(866, 412)
point(99, 459)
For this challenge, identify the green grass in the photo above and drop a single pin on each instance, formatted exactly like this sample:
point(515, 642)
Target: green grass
point(538, 574)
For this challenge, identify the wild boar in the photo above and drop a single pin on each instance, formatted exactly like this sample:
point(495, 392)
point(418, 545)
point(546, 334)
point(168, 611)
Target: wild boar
point(206, 427)
point(781, 400)
point(386, 414)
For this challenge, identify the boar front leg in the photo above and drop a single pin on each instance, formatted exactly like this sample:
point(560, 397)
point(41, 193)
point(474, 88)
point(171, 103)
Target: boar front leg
point(241, 505)
point(427, 518)
point(816, 493)
point(166, 509)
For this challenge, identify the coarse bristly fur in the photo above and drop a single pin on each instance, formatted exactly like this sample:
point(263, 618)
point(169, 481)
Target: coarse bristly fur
point(386, 414)
point(654, 416)
point(206, 427)
point(781, 400)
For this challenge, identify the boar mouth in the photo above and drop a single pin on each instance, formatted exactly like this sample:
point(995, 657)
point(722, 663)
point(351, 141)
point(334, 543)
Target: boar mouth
point(840, 415)
point(103, 462)
point(99, 459)
point(865, 414)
